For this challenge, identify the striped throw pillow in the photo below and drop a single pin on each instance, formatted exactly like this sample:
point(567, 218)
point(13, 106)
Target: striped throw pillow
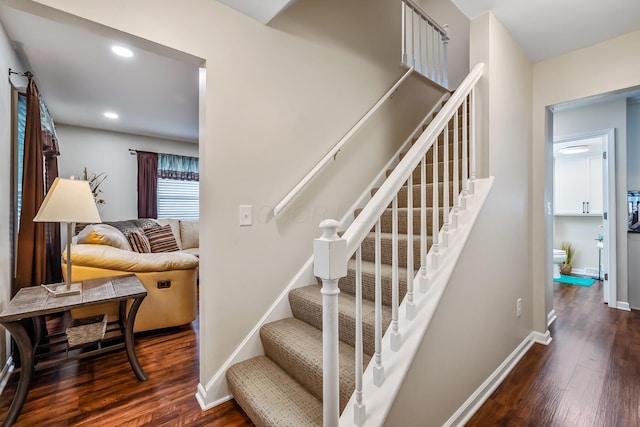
point(161, 239)
point(139, 242)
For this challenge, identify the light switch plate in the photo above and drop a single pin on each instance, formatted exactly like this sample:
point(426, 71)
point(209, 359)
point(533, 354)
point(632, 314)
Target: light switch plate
point(245, 215)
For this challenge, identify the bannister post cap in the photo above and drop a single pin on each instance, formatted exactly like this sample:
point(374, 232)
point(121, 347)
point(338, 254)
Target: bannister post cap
point(329, 229)
point(330, 252)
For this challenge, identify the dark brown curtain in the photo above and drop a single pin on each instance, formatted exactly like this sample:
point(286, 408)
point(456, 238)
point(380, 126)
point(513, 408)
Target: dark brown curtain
point(31, 251)
point(52, 236)
point(147, 184)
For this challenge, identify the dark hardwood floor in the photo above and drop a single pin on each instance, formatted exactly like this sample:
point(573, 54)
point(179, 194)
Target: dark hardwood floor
point(588, 376)
point(103, 391)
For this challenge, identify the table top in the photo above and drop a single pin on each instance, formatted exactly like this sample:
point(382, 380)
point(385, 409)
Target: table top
point(37, 301)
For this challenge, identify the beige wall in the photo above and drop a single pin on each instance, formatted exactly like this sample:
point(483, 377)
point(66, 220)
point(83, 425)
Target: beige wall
point(477, 314)
point(277, 98)
point(108, 152)
point(8, 60)
point(606, 67)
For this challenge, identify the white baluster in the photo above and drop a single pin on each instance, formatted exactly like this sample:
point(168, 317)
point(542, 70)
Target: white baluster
point(359, 408)
point(378, 369)
point(411, 307)
point(413, 39)
point(404, 33)
point(445, 188)
point(427, 51)
point(439, 58)
point(472, 142)
point(395, 334)
point(435, 212)
point(465, 155)
point(445, 43)
point(330, 264)
point(420, 45)
point(456, 171)
point(423, 225)
point(433, 56)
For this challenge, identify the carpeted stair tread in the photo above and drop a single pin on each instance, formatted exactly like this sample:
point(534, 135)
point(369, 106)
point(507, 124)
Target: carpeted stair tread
point(296, 347)
point(348, 284)
point(306, 305)
point(417, 194)
point(386, 242)
point(270, 397)
point(429, 172)
point(386, 223)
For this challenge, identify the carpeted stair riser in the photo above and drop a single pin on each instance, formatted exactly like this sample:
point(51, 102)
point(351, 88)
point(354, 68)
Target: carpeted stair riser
point(386, 223)
point(270, 397)
point(348, 284)
point(402, 194)
point(296, 347)
point(368, 249)
point(306, 305)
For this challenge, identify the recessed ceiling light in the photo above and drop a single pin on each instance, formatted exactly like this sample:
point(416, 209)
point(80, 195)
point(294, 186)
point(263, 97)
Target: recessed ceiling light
point(111, 115)
point(122, 51)
point(575, 149)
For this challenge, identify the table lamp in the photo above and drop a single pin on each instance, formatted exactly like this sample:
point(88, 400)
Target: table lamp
point(68, 201)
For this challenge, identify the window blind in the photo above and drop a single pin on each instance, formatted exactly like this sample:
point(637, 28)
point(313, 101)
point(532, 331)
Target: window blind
point(178, 199)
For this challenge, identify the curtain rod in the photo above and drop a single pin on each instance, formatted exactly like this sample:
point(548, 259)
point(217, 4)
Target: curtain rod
point(135, 152)
point(28, 74)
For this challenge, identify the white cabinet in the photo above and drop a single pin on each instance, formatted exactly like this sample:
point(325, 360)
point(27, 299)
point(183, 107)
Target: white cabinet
point(577, 182)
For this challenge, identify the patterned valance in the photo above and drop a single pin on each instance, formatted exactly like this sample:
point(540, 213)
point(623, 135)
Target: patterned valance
point(178, 167)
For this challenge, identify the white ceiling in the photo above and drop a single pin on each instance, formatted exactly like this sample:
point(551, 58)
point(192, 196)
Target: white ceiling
point(548, 28)
point(80, 78)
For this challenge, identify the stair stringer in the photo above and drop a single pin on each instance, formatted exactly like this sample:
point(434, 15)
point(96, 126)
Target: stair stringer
point(216, 391)
point(379, 400)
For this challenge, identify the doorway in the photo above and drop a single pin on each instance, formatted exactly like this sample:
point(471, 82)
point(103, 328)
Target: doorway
point(603, 116)
point(584, 206)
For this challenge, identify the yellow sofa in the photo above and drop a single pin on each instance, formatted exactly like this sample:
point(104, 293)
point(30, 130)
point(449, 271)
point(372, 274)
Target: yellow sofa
point(170, 278)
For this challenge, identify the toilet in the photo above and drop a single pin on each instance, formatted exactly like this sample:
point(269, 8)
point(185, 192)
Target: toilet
point(559, 256)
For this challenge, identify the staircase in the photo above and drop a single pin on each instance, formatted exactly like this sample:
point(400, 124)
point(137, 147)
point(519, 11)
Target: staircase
point(285, 386)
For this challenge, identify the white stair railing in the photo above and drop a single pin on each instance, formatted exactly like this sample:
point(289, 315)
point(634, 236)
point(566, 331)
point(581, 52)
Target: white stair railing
point(370, 218)
point(424, 43)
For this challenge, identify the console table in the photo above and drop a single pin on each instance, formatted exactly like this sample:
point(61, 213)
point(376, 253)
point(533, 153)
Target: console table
point(31, 303)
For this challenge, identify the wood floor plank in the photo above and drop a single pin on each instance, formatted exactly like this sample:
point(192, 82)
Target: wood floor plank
point(103, 390)
point(588, 375)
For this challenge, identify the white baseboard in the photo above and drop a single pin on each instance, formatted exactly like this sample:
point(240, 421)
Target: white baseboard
point(6, 373)
point(623, 305)
point(587, 272)
point(540, 338)
point(482, 393)
point(551, 317)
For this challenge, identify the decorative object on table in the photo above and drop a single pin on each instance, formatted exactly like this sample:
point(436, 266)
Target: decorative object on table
point(68, 201)
point(95, 180)
point(86, 330)
point(565, 268)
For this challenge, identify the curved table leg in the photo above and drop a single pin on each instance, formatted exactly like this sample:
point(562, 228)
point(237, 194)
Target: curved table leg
point(25, 348)
point(129, 342)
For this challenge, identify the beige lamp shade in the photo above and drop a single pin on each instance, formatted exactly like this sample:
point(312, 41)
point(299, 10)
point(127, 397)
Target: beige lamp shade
point(68, 200)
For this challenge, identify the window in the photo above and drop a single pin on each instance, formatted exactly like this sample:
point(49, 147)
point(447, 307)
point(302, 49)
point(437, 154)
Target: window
point(178, 199)
point(22, 116)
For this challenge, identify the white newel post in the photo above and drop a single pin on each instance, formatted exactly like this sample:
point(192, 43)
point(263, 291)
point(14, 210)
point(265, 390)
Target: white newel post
point(330, 264)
